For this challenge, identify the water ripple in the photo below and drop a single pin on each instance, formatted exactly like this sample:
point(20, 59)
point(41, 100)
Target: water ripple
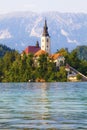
point(52, 106)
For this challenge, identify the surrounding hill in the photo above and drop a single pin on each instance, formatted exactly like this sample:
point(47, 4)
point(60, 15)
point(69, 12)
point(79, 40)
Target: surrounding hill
point(4, 49)
point(67, 30)
point(82, 52)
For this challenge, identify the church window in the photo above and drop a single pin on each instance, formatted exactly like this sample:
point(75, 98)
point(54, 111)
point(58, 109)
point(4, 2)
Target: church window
point(47, 40)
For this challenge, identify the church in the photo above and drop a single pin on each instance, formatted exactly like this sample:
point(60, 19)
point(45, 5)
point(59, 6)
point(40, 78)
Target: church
point(45, 43)
point(45, 48)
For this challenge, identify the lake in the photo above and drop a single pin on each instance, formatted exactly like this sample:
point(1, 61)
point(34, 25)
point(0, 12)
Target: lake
point(43, 106)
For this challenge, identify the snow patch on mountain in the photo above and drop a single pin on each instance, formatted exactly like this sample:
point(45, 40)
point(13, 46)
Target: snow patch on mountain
point(66, 30)
point(63, 32)
point(5, 34)
point(66, 34)
point(35, 30)
point(72, 41)
point(34, 33)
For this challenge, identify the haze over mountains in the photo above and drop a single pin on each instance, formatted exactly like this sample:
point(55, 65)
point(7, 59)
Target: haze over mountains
point(67, 30)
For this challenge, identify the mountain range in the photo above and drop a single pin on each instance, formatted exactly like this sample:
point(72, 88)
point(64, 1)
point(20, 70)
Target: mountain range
point(21, 29)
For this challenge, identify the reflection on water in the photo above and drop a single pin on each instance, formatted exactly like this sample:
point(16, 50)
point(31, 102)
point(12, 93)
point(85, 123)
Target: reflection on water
point(51, 106)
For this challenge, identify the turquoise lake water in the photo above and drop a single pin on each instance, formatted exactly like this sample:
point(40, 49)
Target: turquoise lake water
point(43, 106)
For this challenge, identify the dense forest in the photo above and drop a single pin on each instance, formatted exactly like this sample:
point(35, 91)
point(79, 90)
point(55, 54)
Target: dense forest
point(14, 68)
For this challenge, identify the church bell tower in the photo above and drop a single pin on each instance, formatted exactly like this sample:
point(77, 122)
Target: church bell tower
point(45, 39)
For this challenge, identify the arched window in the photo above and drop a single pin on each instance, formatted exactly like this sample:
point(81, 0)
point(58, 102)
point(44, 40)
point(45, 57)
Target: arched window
point(47, 40)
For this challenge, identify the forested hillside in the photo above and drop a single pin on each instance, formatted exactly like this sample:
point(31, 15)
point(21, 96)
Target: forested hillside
point(82, 52)
point(4, 49)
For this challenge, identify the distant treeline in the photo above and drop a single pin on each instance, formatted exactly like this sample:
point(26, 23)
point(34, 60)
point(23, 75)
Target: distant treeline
point(82, 52)
point(4, 49)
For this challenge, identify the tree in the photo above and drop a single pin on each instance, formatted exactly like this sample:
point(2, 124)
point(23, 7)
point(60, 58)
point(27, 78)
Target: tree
point(83, 67)
point(74, 60)
point(61, 75)
point(42, 65)
point(1, 70)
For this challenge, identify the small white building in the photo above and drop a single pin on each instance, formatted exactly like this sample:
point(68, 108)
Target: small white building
point(58, 59)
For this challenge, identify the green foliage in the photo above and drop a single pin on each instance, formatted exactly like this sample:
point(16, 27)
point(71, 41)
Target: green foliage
point(42, 66)
point(14, 68)
point(79, 77)
point(62, 75)
point(73, 59)
point(4, 49)
point(83, 67)
point(82, 52)
point(76, 62)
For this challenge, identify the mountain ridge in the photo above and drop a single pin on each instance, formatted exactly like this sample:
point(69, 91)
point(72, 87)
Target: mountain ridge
point(67, 30)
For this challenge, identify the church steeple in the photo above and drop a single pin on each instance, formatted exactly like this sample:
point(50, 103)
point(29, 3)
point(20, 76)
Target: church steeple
point(45, 29)
point(45, 39)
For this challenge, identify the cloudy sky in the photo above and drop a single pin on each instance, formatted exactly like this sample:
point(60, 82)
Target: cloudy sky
point(7, 6)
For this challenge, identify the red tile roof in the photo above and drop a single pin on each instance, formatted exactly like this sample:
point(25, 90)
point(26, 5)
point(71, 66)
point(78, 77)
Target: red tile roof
point(40, 52)
point(31, 49)
point(55, 56)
